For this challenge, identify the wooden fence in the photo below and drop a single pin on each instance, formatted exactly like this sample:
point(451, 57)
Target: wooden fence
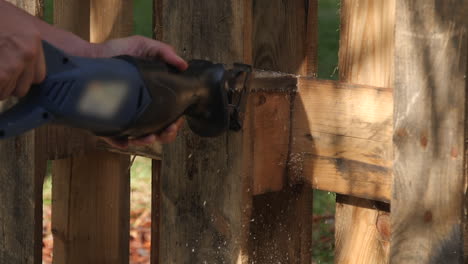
point(390, 132)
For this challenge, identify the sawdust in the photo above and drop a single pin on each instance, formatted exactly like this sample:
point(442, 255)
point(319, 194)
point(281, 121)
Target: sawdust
point(296, 166)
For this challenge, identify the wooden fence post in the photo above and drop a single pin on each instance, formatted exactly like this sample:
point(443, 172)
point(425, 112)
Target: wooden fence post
point(91, 190)
point(22, 171)
point(430, 131)
point(366, 57)
point(208, 186)
point(284, 38)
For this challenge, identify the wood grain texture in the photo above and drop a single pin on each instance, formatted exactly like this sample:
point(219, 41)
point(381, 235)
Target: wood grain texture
point(110, 19)
point(33, 7)
point(342, 138)
point(22, 170)
point(365, 57)
point(91, 218)
point(281, 224)
point(285, 35)
point(91, 199)
point(350, 248)
point(206, 195)
point(367, 42)
point(430, 124)
point(155, 211)
point(271, 132)
point(73, 16)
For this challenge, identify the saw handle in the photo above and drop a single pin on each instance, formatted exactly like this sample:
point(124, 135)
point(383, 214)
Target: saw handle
point(27, 113)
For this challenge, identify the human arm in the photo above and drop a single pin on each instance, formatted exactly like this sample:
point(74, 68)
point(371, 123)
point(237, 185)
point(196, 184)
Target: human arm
point(23, 60)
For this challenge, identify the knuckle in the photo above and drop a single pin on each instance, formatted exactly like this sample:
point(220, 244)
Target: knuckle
point(14, 68)
point(29, 53)
point(27, 48)
point(20, 91)
point(3, 77)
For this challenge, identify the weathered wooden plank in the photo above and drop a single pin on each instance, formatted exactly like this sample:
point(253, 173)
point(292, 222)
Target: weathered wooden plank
point(33, 7)
point(367, 216)
point(110, 19)
point(365, 57)
point(285, 36)
point(22, 171)
point(281, 221)
point(91, 196)
point(367, 42)
point(155, 211)
point(430, 123)
point(206, 193)
point(342, 137)
point(91, 219)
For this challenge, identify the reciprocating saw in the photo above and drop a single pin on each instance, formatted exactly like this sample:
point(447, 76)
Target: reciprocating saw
point(128, 97)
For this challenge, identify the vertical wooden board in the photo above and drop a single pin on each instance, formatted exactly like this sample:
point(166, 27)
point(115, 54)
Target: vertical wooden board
point(430, 124)
point(365, 57)
point(205, 182)
point(110, 19)
point(465, 232)
point(367, 42)
point(33, 7)
point(91, 199)
point(155, 211)
point(350, 248)
point(21, 178)
point(73, 16)
point(281, 226)
point(284, 39)
point(22, 172)
point(271, 115)
point(91, 224)
point(285, 35)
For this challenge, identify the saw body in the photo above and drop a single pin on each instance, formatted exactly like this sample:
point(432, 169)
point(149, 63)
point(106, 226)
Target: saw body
point(123, 97)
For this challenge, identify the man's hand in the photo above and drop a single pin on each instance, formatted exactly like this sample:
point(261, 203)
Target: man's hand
point(144, 48)
point(22, 59)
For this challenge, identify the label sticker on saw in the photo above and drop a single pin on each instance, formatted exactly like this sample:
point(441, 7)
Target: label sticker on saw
point(102, 99)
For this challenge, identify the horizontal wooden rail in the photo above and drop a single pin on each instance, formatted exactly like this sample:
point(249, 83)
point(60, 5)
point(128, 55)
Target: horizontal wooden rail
point(337, 136)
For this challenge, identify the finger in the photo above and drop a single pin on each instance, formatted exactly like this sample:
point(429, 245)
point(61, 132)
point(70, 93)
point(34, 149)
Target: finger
point(167, 137)
point(24, 81)
point(40, 66)
point(8, 87)
point(169, 134)
point(173, 128)
point(167, 53)
point(121, 144)
point(12, 70)
point(147, 140)
point(179, 123)
point(174, 59)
